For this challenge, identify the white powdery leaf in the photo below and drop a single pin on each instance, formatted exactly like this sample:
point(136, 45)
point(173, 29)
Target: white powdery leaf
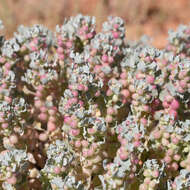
point(1, 25)
point(58, 181)
point(7, 186)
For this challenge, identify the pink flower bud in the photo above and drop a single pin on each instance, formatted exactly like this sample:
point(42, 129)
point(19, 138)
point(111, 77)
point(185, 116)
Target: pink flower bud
point(33, 46)
point(136, 143)
point(166, 135)
point(109, 92)
point(81, 103)
point(74, 100)
point(125, 93)
point(2, 60)
point(97, 68)
point(131, 176)
point(123, 142)
point(116, 26)
point(124, 83)
point(115, 35)
point(123, 156)
point(170, 152)
point(165, 104)
point(152, 184)
point(173, 113)
point(80, 87)
point(180, 89)
point(90, 152)
point(104, 58)
point(67, 119)
point(183, 84)
point(85, 153)
point(174, 104)
point(150, 79)
point(85, 88)
point(175, 140)
point(52, 111)
point(70, 86)
point(110, 111)
point(75, 93)
point(157, 134)
point(177, 157)
point(175, 166)
point(123, 75)
point(8, 65)
point(69, 44)
point(102, 75)
point(39, 94)
point(59, 42)
point(52, 119)
point(13, 139)
point(132, 88)
point(42, 116)
point(147, 180)
point(73, 124)
point(186, 79)
point(84, 143)
point(135, 96)
point(165, 142)
point(75, 132)
point(51, 126)
point(109, 118)
point(143, 121)
point(61, 56)
point(8, 99)
point(119, 138)
point(43, 109)
point(2, 120)
point(167, 159)
point(57, 170)
point(143, 187)
point(12, 180)
point(110, 59)
point(97, 93)
point(43, 137)
point(60, 50)
point(91, 131)
point(183, 163)
point(89, 35)
point(5, 125)
point(155, 173)
point(78, 144)
point(2, 114)
point(174, 186)
point(168, 98)
point(147, 59)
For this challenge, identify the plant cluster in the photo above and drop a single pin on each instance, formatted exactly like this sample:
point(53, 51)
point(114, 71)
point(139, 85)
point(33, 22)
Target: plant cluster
point(85, 110)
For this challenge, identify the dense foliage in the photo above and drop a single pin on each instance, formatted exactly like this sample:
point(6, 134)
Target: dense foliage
point(85, 110)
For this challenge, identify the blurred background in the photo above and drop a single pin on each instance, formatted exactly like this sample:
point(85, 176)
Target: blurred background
point(151, 17)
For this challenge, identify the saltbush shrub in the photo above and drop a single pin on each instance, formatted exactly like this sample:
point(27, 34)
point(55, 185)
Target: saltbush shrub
point(85, 110)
